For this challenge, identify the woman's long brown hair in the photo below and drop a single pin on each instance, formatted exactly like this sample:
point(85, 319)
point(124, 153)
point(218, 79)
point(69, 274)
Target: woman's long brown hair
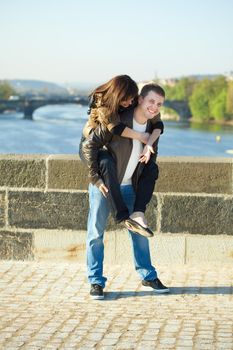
point(107, 98)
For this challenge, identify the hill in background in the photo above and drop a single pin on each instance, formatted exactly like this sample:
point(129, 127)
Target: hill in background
point(37, 87)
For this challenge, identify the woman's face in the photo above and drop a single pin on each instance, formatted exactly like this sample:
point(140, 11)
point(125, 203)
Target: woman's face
point(127, 103)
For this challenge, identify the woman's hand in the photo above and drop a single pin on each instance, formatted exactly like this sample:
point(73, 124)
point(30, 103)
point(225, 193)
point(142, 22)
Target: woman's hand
point(104, 190)
point(146, 153)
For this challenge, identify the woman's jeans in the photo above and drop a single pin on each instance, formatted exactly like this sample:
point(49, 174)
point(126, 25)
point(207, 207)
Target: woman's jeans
point(98, 213)
point(145, 186)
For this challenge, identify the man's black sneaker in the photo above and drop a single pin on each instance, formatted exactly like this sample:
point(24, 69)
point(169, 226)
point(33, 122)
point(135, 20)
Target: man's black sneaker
point(96, 292)
point(156, 285)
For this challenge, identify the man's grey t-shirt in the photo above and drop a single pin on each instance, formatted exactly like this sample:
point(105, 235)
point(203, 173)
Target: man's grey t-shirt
point(135, 154)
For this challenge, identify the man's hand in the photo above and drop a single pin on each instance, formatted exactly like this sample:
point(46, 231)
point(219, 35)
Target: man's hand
point(146, 153)
point(144, 137)
point(103, 189)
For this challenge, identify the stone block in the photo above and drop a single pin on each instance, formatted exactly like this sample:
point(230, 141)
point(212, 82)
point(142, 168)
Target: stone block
point(2, 208)
point(216, 249)
point(197, 214)
point(60, 245)
point(168, 249)
point(164, 249)
point(151, 213)
point(123, 252)
point(16, 245)
point(22, 171)
point(195, 175)
point(67, 172)
point(70, 246)
point(60, 210)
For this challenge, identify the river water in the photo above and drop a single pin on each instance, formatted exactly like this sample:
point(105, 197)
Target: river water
point(57, 130)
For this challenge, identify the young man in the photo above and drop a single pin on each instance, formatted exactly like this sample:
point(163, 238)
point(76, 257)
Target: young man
point(127, 154)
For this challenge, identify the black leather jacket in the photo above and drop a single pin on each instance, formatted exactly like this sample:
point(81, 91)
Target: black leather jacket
point(119, 147)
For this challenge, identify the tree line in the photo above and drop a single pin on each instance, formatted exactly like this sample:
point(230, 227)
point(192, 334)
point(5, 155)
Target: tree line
point(208, 99)
point(6, 90)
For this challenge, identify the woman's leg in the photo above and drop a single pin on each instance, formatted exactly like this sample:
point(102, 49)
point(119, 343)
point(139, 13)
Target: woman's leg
point(145, 188)
point(108, 171)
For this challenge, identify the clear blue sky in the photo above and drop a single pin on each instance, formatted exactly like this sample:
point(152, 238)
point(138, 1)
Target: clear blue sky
point(93, 40)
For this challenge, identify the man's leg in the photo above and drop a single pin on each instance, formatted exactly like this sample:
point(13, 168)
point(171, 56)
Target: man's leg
point(141, 251)
point(97, 218)
point(140, 244)
point(108, 170)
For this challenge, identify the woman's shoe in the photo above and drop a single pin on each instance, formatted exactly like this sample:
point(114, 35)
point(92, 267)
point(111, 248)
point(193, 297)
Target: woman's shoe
point(134, 226)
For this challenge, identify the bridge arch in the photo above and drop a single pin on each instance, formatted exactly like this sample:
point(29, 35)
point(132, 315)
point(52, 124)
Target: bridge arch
point(29, 106)
point(181, 107)
point(32, 105)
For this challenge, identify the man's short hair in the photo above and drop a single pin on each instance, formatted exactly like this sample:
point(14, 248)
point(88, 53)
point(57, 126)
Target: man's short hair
point(152, 87)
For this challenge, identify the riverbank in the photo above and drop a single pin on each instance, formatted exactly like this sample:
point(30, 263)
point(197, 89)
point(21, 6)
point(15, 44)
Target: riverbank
point(212, 122)
point(174, 117)
point(171, 117)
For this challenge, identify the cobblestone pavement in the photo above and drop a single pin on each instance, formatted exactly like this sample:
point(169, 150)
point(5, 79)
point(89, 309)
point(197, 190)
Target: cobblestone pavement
point(47, 306)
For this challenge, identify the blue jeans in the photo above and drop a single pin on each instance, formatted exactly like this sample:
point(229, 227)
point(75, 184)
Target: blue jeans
point(98, 214)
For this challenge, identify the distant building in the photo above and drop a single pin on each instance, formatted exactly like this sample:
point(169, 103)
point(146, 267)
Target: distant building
point(168, 82)
point(142, 83)
point(229, 75)
point(13, 98)
point(163, 82)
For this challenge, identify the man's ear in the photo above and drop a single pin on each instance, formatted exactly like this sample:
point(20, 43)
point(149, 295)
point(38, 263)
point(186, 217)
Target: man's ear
point(140, 99)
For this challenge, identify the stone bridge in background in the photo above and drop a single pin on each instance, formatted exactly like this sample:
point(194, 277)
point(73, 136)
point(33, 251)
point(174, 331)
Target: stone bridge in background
point(181, 107)
point(28, 106)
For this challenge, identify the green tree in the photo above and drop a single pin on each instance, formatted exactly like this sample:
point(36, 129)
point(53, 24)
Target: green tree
point(218, 99)
point(218, 106)
point(182, 89)
point(6, 90)
point(208, 100)
point(199, 100)
point(229, 99)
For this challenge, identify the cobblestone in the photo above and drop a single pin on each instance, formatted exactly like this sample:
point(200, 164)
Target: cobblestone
point(47, 306)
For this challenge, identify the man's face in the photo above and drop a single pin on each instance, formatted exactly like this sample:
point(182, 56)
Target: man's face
point(150, 105)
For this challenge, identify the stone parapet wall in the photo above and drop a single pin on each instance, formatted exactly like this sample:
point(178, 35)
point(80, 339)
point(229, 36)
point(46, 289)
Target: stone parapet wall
point(44, 200)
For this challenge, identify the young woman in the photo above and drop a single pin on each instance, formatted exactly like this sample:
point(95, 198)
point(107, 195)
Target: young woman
point(107, 102)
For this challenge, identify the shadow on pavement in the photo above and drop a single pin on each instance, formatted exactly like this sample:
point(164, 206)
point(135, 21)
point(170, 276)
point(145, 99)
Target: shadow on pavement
point(202, 290)
point(173, 291)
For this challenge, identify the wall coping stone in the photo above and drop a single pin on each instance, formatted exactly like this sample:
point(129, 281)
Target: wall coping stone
point(67, 172)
